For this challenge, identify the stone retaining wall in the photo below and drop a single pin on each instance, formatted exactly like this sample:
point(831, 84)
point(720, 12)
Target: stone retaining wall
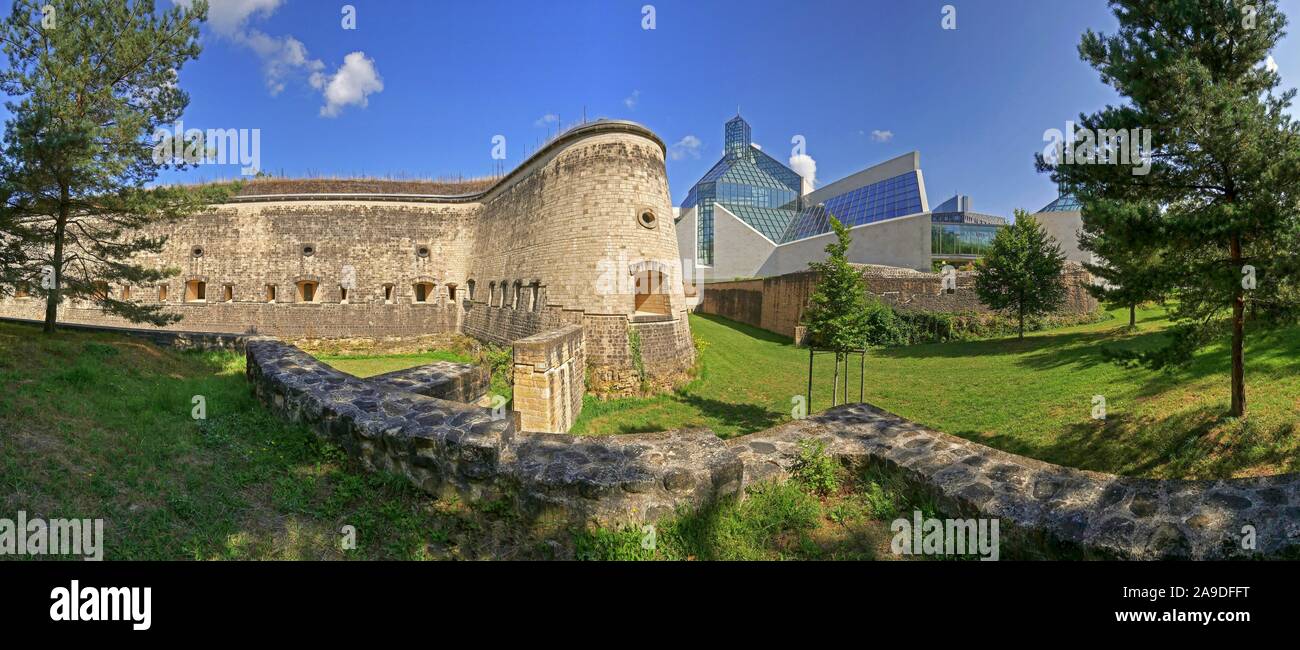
point(446, 447)
point(456, 382)
point(777, 304)
point(442, 445)
point(1131, 518)
point(549, 374)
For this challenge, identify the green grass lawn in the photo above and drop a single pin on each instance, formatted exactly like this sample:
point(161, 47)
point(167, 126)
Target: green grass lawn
point(1031, 397)
point(100, 426)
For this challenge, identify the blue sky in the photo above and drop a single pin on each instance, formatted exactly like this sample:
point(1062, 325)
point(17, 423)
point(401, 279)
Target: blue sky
point(974, 101)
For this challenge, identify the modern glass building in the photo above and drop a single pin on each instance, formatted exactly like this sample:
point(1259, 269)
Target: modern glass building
point(748, 180)
point(893, 197)
point(957, 232)
point(1063, 203)
point(774, 228)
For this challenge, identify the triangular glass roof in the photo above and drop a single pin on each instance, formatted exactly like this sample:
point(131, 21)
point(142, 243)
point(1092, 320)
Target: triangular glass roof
point(1063, 203)
point(772, 222)
point(758, 169)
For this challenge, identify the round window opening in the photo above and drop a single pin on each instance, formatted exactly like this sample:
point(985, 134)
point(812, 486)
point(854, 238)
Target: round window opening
point(197, 251)
point(647, 219)
point(422, 251)
point(308, 250)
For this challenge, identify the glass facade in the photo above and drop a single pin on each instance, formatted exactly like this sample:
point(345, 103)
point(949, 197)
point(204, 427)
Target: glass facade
point(766, 194)
point(893, 197)
point(1063, 203)
point(961, 240)
point(736, 134)
point(750, 184)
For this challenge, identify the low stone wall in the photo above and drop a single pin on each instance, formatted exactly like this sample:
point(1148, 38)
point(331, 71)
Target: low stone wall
point(443, 446)
point(777, 304)
point(1123, 517)
point(549, 375)
point(446, 447)
point(456, 382)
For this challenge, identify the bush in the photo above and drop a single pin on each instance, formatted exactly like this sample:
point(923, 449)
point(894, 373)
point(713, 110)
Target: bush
point(634, 350)
point(815, 469)
point(499, 359)
point(917, 327)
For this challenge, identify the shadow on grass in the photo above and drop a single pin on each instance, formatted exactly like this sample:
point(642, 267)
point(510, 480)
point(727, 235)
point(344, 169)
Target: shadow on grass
point(747, 330)
point(1202, 443)
point(745, 417)
point(713, 414)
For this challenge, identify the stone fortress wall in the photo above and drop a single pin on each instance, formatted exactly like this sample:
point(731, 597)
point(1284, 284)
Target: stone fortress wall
point(557, 241)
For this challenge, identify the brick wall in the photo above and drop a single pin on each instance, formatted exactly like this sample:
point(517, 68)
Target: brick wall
point(549, 379)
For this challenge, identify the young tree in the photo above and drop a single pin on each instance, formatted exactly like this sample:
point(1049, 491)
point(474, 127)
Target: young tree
point(1224, 159)
point(839, 315)
point(89, 82)
point(838, 308)
point(1021, 273)
point(1124, 238)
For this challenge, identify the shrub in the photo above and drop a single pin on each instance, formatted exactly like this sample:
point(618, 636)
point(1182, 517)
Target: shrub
point(634, 349)
point(815, 469)
point(500, 359)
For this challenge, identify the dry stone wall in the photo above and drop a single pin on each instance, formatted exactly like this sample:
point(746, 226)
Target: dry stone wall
point(1131, 518)
point(456, 382)
point(445, 446)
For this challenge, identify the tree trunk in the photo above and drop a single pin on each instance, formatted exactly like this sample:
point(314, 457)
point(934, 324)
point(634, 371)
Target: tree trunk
point(846, 378)
point(1132, 316)
point(52, 300)
point(835, 383)
point(1238, 339)
point(1022, 324)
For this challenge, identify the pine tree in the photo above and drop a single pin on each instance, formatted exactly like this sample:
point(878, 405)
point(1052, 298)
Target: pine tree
point(1128, 259)
point(89, 82)
point(1021, 273)
point(13, 251)
point(1224, 165)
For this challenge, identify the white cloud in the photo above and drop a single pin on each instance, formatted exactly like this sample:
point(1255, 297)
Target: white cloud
point(881, 136)
point(687, 146)
point(805, 166)
point(285, 57)
point(1270, 64)
point(351, 85)
point(630, 101)
point(549, 118)
point(228, 17)
point(281, 57)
